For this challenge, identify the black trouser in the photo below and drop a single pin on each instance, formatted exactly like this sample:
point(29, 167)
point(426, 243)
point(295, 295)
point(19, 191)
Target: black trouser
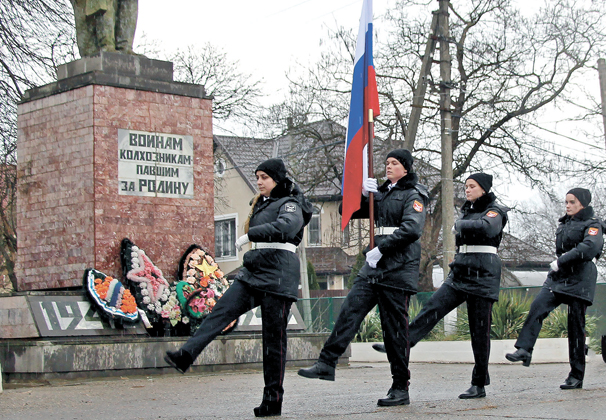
point(237, 300)
point(393, 310)
point(479, 311)
point(545, 302)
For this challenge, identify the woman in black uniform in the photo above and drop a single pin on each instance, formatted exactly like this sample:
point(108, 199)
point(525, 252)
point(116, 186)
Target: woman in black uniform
point(475, 276)
point(571, 280)
point(269, 278)
point(389, 277)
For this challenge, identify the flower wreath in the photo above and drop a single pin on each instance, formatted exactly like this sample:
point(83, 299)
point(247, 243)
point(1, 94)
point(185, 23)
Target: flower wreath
point(148, 285)
point(110, 297)
point(201, 283)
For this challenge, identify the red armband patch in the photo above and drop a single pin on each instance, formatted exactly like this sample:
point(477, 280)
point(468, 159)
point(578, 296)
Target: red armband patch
point(492, 214)
point(418, 206)
point(593, 231)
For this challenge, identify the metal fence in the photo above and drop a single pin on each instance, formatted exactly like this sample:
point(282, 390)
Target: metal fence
point(320, 314)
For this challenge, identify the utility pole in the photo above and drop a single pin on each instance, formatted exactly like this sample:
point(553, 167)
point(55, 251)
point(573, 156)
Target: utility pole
point(448, 242)
point(602, 73)
point(304, 284)
point(419, 94)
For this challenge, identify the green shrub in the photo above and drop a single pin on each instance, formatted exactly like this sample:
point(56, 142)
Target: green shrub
point(370, 329)
point(508, 315)
point(556, 324)
point(437, 333)
point(312, 277)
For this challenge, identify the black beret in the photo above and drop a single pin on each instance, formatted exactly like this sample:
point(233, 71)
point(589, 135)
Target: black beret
point(274, 168)
point(403, 156)
point(583, 195)
point(484, 180)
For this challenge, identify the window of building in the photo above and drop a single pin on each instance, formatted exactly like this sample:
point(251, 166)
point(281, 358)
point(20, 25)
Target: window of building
point(345, 238)
point(220, 167)
point(314, 233)
point(225, 237)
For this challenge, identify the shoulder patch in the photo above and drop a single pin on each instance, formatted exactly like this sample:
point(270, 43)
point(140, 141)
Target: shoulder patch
point(418, 206)
point(593, 231)
point(290, 207)
point(492, 213)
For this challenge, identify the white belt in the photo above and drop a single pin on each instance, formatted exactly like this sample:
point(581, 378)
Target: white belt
point(482, 249)
point(275, 245)
point(385, 230)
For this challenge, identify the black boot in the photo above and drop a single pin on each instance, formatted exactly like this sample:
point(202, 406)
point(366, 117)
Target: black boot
point(520, 355)
point(268, 409)
point(572, 383)
point(395, 397)
point(319, 370)
point(474, 392)
point(604, 348)
point(180, 360)
point(380, 347)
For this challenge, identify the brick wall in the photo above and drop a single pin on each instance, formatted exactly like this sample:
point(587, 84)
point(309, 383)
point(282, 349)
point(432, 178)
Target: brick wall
point(69, 213)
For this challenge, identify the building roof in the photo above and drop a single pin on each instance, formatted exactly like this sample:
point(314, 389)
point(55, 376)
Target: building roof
point(330, 260)
point(310, 152)
point(244, 155)
point(519, 255)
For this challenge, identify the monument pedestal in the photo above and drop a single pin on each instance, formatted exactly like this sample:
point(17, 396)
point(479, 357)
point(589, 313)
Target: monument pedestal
point(27, 361)
point(115, 148)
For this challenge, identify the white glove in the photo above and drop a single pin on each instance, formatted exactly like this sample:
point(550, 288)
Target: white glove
point(242, 240)
point(369, 186)
point(373, 256)
point(554, 266)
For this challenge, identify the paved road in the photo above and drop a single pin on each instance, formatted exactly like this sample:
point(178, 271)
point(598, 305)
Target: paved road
point(515, 393)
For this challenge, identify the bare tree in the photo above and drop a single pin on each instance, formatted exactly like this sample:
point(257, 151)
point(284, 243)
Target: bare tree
point(234, 93)
point(35, 37)
point(507, 69)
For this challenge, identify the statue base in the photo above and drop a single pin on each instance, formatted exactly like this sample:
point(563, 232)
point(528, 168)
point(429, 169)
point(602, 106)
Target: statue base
point(114, 149)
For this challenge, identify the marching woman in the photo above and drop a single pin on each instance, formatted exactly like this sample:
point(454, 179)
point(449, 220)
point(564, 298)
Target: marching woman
point(571, 280)
point(388, 278)
point(475, 276)
point(269, 278)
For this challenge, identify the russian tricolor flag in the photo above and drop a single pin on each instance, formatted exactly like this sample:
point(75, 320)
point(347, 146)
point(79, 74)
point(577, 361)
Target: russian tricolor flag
point(364, 96)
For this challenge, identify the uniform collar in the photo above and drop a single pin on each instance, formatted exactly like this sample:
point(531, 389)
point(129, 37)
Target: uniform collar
point(407, 181)
point(583, 214)
point(480, 204)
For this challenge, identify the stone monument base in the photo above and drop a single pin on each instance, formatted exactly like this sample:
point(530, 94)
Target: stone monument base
point(25, 362)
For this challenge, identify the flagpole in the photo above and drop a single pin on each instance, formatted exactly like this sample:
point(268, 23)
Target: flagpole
point(371, 196)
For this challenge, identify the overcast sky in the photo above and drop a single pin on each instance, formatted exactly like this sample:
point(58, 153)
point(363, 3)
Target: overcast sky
point(271, 37)
point(267, 37)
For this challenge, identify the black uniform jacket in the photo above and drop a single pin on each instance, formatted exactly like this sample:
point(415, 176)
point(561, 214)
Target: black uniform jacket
point(280, 218)
point(481, 223)
point(404, 207)
point(578, 241)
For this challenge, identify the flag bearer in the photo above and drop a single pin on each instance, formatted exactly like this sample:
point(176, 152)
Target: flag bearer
point(388, 278)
